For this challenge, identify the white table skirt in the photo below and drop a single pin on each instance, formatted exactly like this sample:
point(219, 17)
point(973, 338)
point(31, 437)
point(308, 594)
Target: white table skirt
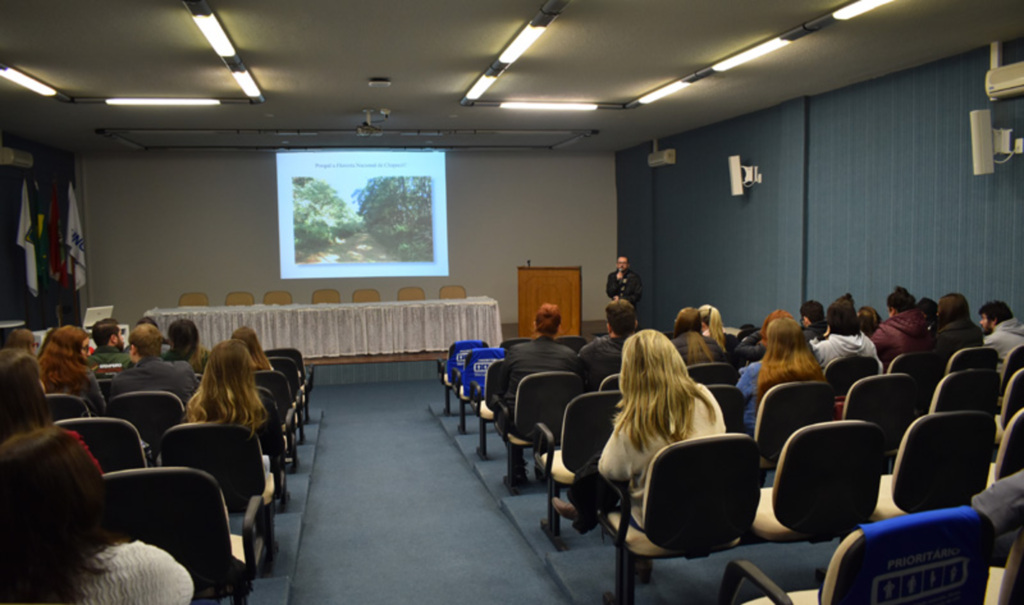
point(334, 330)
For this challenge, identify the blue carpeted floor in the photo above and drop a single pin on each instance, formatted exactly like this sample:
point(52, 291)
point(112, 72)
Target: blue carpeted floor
point(400, 509)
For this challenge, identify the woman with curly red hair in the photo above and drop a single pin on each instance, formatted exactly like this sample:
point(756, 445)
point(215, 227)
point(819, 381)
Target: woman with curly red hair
point(65, 369)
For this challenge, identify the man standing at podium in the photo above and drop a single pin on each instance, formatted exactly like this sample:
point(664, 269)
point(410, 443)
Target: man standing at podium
point(624, 283)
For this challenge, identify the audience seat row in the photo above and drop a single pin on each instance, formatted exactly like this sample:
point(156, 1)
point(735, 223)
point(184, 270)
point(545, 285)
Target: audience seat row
point(322, 296)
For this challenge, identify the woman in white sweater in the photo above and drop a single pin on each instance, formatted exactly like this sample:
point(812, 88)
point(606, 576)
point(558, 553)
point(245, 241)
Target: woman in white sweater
point(660, 405)
point(51, 504)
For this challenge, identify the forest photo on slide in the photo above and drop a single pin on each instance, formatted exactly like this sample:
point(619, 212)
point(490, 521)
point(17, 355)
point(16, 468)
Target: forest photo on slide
point(388, 220)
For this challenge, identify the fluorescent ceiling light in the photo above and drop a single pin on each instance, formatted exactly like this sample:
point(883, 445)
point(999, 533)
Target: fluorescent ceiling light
point(753, 53)
point(523, 41)
point(245, 80)
point(30, 83)
point(162, 102)
point(550, 106)
point(215, 35)
point(858, 8)
point(664, 91)
point(480, 87)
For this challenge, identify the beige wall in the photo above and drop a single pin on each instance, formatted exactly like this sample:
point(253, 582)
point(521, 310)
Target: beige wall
point(161, 223)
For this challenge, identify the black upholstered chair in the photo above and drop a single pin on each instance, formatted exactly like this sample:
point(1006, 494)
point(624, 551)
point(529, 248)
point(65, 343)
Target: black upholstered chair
point(586, 426)
point(784, 409)
point(973, 358)
point(114, 443)
point(701, 497)
point(1013, 362)
point(888, 401)
point(716, 372)
point(152, 413)
point(967, 390)
point(731, 401)
point(610, 383)
point(64, 406)
point(181, 511)
point(277, 385)
point(843, 372)
point(825, 484)
point(573, 342)
point(541, 398)
point(943, 460)
point(926, 368)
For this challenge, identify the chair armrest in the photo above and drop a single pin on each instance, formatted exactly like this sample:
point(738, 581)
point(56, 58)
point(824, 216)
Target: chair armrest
point(442, 365)
point(621, 488)
point(476, 395)
point(253, 533)
point(503, 420)
point(456, 380)
point(289, 420)
point(738, 570)
point(544, 443)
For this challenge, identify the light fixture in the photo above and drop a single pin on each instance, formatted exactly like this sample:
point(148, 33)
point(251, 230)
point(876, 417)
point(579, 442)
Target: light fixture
point(858, 8)
point(131, 101)
point(245, 81)
point(549, 106)
point(215, 35)
point(758, 51)
point(662, 92)
point(30, 83)
point(480, 87)
point(526, 37)
point(523, 41)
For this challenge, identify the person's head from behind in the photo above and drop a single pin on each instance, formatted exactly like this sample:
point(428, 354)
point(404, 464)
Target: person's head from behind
point(227, 392)
point(184, 336)
point(21, 339)
point(784, 340)
point(687, 320)
point(869, 320)
point(144, 341)
point(658, 395)
point(23, 405)
point(107, 333)
point(992, 314)
point(711, 322)
point(776, 314)
point(621, 318)
point(252, 342)
point(899, 301)
point(548, 320)
point(811, 311)
point(63, 362)
point(952, 307)
point(52, 497)
point(842, 318)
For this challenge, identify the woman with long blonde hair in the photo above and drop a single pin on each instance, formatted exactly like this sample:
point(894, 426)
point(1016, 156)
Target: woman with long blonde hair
point(711, 324)
point(252, 342)
point(228, 395)
point(787, 358)
point(692, 345)
point(660, 405)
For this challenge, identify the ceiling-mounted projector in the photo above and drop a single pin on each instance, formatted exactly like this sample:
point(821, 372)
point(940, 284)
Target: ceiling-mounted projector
point(368, 130)
point(15, 157)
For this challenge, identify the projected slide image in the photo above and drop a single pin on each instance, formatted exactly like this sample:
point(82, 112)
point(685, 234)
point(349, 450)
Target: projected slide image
point(388, 220)
point(362, 214)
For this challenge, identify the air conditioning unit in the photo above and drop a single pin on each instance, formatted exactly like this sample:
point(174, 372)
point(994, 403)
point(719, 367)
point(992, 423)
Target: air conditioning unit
point(1005, 82)
point(15, 157)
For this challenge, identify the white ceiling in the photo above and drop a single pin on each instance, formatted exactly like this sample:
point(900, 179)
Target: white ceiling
point(313, 59)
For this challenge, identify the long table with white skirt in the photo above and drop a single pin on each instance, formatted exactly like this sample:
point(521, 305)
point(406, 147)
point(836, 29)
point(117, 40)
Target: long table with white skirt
point(335, 330)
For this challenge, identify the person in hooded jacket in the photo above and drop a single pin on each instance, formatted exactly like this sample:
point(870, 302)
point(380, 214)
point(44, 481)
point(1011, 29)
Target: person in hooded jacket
point(1003, 332)
point(955, 329)
point(843, 338)
point(905, 331)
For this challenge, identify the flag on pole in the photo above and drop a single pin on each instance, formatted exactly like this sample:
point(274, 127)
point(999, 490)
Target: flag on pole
point(58, 268)
point(27, 240)
point(42, 240)
point(75, 239)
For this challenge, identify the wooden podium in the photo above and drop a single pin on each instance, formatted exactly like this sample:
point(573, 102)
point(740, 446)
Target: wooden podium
point(557, 285)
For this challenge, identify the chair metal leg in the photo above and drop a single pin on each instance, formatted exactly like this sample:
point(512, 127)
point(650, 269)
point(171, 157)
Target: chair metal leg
point(552, 525)
point(462, 416)
point(447, 401)
point(510, 477)
point(481, 450)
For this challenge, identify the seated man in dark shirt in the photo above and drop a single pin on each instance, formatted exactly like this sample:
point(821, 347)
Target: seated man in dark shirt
point(109, 356)
point(602, 357)
point(150, 372)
